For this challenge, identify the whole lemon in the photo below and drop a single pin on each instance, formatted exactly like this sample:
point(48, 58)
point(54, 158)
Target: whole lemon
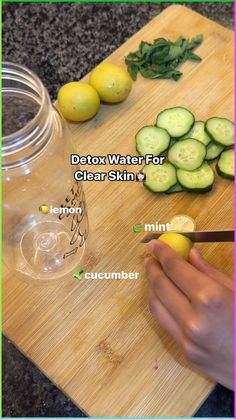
point(78, 101)
point(179, 243)
point(112, 83)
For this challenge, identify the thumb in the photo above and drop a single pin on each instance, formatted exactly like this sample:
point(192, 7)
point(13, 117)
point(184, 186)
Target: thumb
point(197, 260)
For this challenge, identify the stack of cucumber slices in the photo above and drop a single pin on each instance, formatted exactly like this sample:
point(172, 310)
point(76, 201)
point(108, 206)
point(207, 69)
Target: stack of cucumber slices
point(189, 146)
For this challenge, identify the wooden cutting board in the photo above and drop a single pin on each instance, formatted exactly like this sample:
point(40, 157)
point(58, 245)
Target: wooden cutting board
point(96, 339)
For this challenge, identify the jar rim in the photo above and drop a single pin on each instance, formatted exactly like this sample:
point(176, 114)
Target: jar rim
point(13, 68)
point(26, 143)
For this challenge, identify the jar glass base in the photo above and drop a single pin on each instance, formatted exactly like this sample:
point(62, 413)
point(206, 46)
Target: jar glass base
point(42, 253)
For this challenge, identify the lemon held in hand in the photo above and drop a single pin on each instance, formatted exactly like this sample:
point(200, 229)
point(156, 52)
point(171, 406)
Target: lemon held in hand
point(179, 243)
point(112, 83)
point(78, 101)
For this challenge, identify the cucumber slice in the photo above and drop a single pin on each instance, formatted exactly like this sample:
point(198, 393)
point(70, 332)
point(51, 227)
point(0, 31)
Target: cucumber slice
point(213, 150)
point(220, 130)
point(174, 189)
point(198, 133)
point(199, 180)
point(177, 121)
point(225, 165)
point(152, 140)
point(160, 178)
point(187, 154)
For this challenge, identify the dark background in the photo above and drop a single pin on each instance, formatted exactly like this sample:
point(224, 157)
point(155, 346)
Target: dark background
point(62, 42)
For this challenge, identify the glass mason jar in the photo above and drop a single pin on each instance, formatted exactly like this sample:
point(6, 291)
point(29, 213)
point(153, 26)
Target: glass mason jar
point(45, 223)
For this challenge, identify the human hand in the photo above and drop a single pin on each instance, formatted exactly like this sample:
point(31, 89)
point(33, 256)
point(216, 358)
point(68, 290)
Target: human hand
point(194, 302)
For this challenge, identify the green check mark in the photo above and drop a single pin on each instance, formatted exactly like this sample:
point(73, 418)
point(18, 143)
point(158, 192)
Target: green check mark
point(78, 275)
point(137, 228)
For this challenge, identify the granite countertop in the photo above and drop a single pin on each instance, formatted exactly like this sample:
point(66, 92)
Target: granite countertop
point(62, 42)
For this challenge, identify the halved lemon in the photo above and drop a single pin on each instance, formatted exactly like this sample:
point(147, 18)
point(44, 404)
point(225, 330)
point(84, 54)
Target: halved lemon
point(182, 223)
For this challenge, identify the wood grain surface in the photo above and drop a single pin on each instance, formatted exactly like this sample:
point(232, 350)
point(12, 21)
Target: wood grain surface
point(96, 339)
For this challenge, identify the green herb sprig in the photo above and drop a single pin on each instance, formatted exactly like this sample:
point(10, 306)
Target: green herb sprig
point(161, 59)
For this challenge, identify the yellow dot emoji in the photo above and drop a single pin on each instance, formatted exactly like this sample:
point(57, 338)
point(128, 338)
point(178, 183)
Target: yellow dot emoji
point(44, 209)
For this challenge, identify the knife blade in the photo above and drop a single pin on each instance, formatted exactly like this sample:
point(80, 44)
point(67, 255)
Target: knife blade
point(199, 236)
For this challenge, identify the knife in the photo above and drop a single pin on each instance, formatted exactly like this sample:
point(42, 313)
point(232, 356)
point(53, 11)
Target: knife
point(199, 236)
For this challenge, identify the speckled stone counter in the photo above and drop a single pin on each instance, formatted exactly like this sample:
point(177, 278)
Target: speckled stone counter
point(62, 42)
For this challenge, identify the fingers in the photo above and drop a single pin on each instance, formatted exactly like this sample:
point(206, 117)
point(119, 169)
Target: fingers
point(194, 354)
point(164, 318)
point(183, 274)
point(171, 297)
point(196, 259)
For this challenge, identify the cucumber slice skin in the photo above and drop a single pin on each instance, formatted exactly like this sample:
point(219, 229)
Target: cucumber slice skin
point(199, 191)
point(165, 177)
point(198, 133)
point(217, 138)
point(151, 131)
point(222, 174)
point(184, 145)
point(226, 155)
point(172, 131)
point(184, 178)
point(175, 189)
point(213, 151)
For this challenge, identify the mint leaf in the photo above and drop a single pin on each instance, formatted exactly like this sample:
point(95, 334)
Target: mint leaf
point(161, 58)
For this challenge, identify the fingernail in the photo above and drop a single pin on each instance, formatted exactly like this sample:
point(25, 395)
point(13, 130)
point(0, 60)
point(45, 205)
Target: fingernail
point(151, 245)
point(195, 251)
point(146, 260)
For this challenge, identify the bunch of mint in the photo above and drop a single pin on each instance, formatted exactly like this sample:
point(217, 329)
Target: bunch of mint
point(161, 59)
